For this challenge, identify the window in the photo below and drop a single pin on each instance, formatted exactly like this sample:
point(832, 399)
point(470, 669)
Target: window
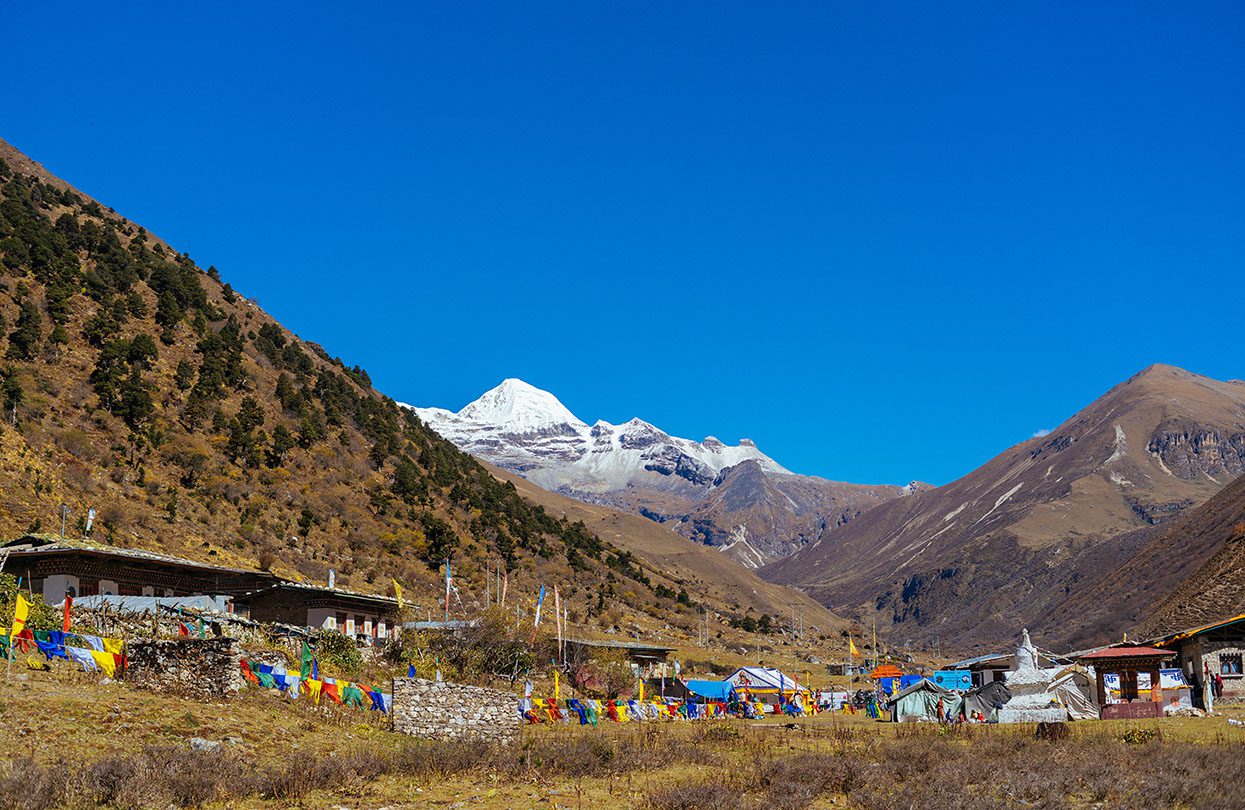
point(1230, 664)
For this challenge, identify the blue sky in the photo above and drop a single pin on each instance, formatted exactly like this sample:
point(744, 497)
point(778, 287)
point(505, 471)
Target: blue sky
point(885, 243)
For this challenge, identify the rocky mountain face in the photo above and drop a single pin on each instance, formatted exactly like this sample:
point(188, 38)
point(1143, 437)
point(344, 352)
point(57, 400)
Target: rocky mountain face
point(733, 497)
point(969, 562)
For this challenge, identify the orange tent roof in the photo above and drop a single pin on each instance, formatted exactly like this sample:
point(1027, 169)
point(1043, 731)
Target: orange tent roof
point(886, 671)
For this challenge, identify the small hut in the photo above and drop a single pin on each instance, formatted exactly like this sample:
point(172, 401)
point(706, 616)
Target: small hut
point(1127, 660)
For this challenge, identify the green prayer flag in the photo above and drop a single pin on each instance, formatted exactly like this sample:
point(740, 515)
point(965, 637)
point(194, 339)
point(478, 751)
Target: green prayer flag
point(306, 670)
point(202, 629)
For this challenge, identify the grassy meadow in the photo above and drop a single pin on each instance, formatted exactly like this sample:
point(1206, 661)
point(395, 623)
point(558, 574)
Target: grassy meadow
point(70, 741)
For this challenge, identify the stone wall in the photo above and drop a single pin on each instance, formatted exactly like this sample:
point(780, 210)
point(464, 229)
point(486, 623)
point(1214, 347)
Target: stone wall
point(201, 667)
point(452, 711)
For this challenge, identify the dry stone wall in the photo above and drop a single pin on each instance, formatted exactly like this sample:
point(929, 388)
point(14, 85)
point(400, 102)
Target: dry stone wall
point(202, 667)
point(453, 711)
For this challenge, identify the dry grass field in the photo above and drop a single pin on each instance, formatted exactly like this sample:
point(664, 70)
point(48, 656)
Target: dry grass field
point(70, 741)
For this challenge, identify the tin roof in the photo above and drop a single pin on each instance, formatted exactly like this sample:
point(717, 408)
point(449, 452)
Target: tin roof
point(1130, 651)
point(1197, 631)
point(32, 544)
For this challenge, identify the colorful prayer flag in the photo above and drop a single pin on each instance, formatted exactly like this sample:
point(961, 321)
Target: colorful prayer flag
point(397, 589)
point(305, 671)
point(20, 612)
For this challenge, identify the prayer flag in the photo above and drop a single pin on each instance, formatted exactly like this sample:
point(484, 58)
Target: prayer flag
point(557, 618)
point(410, 670)
point(540, 600)
point(20, 612)
point(397, 589)
point(305, 672)
point(557, 692)
point(851, 646)
point(449, 583)
point(68, 607)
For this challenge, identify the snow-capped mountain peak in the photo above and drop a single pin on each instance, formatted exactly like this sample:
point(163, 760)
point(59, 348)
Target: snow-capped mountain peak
point(519, 408)
point(639, 467)
point(526, 429)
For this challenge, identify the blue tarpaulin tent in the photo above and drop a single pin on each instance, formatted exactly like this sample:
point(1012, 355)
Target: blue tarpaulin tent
point(710, 690)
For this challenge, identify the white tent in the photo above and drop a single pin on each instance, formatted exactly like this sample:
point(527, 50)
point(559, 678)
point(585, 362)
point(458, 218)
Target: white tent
point(764, 683)
point(1072, 688)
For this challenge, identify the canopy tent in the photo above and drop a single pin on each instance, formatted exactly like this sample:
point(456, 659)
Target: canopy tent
point(763, 683)
point(709, 690)
point(923, 700)
point(886, 671)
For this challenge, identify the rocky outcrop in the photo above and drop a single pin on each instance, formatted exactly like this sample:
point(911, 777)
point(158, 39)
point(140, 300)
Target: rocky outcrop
point(445, 711)
point(1189, 449)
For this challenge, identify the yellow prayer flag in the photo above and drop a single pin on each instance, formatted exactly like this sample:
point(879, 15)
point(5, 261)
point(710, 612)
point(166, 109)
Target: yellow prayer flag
point(397, 589)
point(312, 687)
point(557, 691)
point(851, 645)
point(20, 612)
point(641, 689)
point(112, 645)
point(106, 662)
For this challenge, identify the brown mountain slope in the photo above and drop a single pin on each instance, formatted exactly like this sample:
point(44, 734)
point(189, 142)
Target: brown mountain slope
point(1181, 573)
point(1214, 536)
point(751, 514)
point(136, 383)
point(708, 574)
point(969, 562)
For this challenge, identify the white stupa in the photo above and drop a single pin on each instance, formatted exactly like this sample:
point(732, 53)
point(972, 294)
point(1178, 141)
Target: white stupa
point(1032, 701)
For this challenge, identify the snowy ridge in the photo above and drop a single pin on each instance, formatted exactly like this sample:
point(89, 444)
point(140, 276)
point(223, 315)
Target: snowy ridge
point(525, 429)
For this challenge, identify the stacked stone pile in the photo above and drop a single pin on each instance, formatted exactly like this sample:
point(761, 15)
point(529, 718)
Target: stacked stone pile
point(443, 711)
point(202, 667)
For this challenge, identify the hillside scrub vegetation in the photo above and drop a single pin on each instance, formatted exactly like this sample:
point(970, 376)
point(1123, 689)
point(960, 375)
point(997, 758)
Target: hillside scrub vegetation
point(134, 382)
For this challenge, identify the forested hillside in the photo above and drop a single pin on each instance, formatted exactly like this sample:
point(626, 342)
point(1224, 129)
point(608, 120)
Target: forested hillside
point(137, 383)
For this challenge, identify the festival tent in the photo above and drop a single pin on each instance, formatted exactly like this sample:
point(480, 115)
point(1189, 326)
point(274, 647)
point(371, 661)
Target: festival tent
point(921, 701)
point(763, 683)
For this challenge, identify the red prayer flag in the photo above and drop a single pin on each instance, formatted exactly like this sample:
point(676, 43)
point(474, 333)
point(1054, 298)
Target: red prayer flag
point(68, 606)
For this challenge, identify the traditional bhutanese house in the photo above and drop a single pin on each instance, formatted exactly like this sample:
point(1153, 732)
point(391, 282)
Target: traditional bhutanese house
point(354, 614)
point(764, 684)
point(647, 658)
point(55, 566)
point(1216, 648)
point(1127, 660)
